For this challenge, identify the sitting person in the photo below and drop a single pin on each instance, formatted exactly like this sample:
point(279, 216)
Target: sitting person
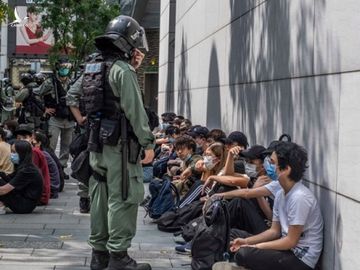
point(37, 142)
point(295, 239)
point(185, 176)
point(6, 165)
point(24, 132)
point(22, 191)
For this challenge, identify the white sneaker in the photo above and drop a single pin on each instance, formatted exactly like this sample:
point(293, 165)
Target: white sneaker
point(2, 210)
point(227, 266)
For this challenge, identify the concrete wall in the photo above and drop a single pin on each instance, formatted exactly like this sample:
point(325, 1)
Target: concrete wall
point(268, 67)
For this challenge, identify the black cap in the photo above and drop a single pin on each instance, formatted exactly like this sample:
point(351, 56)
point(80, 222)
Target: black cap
point(237, 137)
point(271, 148)
point(198, 131)
point(254, 152)
point(23, 129)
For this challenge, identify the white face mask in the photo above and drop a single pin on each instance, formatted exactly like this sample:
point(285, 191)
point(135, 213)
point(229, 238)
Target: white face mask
point(209, 162)
point(250, 170)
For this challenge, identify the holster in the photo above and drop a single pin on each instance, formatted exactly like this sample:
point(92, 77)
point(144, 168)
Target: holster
point(94, 144)
point(134, 149)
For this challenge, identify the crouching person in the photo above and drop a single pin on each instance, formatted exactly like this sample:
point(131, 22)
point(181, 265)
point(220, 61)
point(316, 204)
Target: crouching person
point(21, 191)
point(295, 238)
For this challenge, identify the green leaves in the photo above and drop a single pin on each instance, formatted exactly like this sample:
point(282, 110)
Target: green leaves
point(75, 24)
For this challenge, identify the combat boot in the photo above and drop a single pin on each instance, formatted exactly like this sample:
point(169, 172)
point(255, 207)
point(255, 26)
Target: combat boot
point(122, 261)
point(99, 260)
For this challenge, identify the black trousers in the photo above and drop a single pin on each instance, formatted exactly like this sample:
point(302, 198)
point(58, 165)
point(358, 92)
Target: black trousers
point(16, 202)
point(246, 215)
point(265, 259)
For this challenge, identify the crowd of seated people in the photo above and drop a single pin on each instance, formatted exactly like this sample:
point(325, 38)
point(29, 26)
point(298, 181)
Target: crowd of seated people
point(275, 220)
point(24, 160)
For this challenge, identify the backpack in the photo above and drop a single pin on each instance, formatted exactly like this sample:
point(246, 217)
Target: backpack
point(162, 199)
point(81, 169)
point(173, 221)
point(211, 241)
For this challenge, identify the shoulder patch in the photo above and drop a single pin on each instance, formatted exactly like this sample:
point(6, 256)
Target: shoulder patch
point(93, 68)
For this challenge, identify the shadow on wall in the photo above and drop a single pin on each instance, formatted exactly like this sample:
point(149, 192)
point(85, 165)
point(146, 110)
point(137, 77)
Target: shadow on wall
point(269, 46)
point(213, 114)
point(184, 97)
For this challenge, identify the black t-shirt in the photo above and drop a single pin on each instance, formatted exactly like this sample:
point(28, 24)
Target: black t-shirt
point(28, 182)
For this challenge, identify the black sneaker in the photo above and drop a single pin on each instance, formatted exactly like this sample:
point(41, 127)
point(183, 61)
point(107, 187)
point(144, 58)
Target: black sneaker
point(99, 260)
point(84, 204)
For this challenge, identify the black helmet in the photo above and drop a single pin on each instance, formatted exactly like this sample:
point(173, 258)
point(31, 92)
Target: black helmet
point(5, 82)
point(125, 34)
point(26, 78)
point(39, 78)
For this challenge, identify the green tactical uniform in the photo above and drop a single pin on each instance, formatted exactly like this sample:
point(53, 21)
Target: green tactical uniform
point(73, 99)
point(113, 221)
point(58, 127)
point(6, 92)
point(34, 120)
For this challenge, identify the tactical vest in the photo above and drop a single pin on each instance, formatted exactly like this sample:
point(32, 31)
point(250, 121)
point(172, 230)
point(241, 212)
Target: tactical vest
point(8, 102)
point(59, 101)
point(31, 104)
point(98, 97)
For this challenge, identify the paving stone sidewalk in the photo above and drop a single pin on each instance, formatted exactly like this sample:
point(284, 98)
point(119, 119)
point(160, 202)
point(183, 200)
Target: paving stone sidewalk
point(55, 237)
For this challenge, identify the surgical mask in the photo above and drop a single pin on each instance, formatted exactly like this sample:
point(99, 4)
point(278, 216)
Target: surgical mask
point(164, 126)
point(8, 133)
point(250, 170)
point(209, 162)
point(188, 157)
point(14, 157)
point(270, 169)
point(63, 72)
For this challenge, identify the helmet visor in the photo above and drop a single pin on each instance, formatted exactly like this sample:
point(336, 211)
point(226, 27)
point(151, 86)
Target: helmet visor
point(144, 42)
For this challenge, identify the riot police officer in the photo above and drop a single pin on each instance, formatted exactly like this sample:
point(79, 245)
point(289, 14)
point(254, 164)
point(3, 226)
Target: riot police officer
point(61, 123)
point(7, 100)
point(118, 129)
point(32, 107)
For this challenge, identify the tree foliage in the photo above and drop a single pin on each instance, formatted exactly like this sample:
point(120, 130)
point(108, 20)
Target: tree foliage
point(75, 24)
point(5, 12)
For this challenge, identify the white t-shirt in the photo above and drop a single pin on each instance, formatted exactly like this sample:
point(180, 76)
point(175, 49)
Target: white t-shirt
point(273, 187)
point(300, 207)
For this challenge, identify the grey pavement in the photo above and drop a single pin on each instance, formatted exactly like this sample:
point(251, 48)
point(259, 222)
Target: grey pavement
point(55, 237)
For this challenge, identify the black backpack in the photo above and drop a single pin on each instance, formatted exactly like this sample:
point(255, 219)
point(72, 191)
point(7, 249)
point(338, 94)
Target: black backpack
point(162, 197)
point(211, 241)
point(173, 221)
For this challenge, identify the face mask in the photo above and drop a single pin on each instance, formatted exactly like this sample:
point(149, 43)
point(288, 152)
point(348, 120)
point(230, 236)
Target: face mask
point(250, 170)
point(63, 72)
point(270, 169)
point(164, 126)
point(8, 133)
point(171, 140)
point(14, 157)
point(209, 162)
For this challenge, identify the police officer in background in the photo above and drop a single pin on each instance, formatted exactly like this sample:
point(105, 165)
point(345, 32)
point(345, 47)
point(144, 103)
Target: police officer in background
point(32, 107)
point(118, 129)
point(7, 100)
point(61, 123)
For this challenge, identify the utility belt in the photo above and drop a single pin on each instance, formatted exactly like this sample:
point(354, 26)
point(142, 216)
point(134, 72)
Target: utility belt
point(104, 131)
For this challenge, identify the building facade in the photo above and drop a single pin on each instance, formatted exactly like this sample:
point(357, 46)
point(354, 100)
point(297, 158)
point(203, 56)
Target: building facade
point(269, 67)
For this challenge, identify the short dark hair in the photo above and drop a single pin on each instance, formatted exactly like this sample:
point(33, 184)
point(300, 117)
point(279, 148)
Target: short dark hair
point(185, 141)
point(217, 135)
point(2, 134)
point(42, 139)
point(171, 130)
point(292, 155)
point(32, 9)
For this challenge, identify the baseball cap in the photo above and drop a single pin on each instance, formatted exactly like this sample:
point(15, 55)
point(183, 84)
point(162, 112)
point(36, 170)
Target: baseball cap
point(198, 131)
point(23, 129)
point(237, 137)
point(254, 152)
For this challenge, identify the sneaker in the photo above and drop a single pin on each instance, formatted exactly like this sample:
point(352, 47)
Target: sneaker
point(179, 240)
point(227, 266)
point(184, 249)
point(84, 204)
point(99, 260)
point(2, 210)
